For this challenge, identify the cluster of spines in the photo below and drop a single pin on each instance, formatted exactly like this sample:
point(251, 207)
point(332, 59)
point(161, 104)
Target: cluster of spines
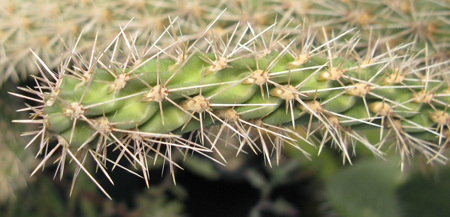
point(248, 87)
point(422, 22)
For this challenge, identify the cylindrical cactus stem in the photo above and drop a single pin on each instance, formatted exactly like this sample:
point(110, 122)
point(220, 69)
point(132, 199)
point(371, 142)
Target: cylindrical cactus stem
point(113, 100)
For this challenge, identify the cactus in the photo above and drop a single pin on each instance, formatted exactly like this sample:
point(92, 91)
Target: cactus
point(261, 87)
point(422, 22)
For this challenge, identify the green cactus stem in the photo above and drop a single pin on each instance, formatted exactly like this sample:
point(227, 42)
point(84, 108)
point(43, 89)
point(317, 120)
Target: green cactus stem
point(137, 101)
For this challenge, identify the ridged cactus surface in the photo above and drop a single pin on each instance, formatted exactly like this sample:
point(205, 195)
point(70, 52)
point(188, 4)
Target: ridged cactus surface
point(267, 88)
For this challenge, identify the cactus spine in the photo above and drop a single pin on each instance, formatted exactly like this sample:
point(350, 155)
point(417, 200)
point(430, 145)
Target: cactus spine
point(21, 27)
point(252, 85)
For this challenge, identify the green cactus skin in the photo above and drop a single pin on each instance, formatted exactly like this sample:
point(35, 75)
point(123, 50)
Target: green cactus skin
point(138, 101)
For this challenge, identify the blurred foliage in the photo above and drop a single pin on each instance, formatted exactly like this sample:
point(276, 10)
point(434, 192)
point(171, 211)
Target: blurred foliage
point(366, 189)
point(15, 162)
point(426, 195)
